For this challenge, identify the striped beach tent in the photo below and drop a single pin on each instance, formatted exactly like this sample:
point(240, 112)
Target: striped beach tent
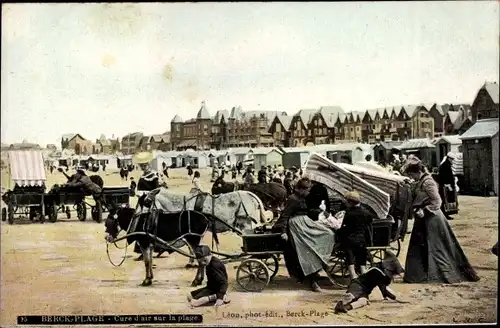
point(26, 168)
point(321, 169)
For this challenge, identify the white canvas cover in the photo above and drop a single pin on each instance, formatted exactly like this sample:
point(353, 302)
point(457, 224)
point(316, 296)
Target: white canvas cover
point(334, 176)
point(386, 181)
point(26, 168)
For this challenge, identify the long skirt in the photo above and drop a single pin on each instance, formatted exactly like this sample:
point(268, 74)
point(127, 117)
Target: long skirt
point(312, 242)
point(434, 254)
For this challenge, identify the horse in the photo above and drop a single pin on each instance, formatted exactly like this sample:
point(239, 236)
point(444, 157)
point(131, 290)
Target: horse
point(185, 219)
point(124, 173)
point(272, 194)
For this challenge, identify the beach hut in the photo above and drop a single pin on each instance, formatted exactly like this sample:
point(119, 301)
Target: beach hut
point(161, 157)
point(384, 151)
point(265, 156)
point(480, 157)
point(215, 157)
point(325, 149)
point(343, 153)
point(108, 160)
point(196, 159)
point(423, 149)
point(124, 160)
point(296, 156)
point(236, 155)
point(446, 144)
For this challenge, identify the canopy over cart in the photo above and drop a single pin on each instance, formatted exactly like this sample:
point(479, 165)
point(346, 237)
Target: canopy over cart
point(27, 180)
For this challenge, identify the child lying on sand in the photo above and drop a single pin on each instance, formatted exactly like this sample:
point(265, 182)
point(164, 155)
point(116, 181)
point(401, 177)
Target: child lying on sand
point(380, 276)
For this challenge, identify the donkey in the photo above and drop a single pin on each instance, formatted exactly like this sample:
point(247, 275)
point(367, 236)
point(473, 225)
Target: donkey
point(174, 217)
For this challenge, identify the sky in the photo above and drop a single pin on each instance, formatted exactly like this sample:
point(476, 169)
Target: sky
point(115, 69)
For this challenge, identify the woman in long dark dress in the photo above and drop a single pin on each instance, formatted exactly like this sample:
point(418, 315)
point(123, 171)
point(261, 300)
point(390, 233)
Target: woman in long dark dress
point(434, 254)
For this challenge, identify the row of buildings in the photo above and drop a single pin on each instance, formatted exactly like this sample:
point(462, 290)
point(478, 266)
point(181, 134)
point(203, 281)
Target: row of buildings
point(330, 124)
point(326, 125)
point(129, 144)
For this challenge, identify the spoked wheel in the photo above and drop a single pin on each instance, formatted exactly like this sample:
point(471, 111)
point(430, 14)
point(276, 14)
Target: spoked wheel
point(271, 262)
point(81, 211)
point(10, 214)
point(4, 214)
point(338, 272)
point(252, 275)
point(53, 213)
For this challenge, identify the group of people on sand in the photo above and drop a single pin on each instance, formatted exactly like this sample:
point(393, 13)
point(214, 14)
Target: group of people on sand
point(310, 230)
point(434, 253)
point(265, 174)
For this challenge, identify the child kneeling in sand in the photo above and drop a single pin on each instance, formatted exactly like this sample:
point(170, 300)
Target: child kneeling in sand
point(217, 280)
point(360, 288)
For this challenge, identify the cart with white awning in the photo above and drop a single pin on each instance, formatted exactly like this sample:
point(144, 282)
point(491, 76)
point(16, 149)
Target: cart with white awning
point(26, 193)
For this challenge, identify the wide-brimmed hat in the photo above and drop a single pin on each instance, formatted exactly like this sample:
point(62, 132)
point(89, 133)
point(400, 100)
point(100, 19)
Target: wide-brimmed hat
point(80, 168)
point(144, 157)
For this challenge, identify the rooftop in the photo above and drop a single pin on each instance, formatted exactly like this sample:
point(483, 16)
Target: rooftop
point(487, 128)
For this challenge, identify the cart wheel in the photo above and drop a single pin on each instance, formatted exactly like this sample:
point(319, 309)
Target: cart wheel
point(252, 275)
point(81, 211)
point(395, 247)
point(10, 214)
point(53, 213)
point(272, 264)
point(338, 272)
point(4, 214)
